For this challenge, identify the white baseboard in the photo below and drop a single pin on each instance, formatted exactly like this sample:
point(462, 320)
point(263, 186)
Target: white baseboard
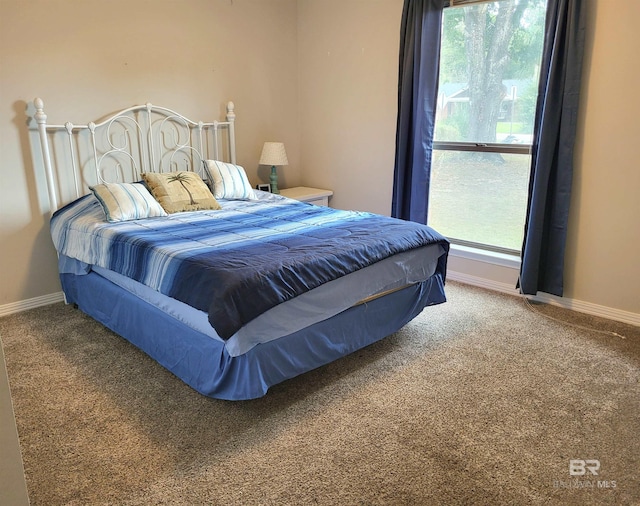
point(573, 304)
point(23, 305)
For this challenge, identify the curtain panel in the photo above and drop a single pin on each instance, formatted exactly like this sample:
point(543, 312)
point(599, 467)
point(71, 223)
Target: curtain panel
point(543, 249)
point(420, 33)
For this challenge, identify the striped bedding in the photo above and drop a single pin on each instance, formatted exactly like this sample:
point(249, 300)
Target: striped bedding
point(240, 261)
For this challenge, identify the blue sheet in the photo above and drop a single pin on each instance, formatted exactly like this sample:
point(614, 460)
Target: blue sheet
point(241, 261)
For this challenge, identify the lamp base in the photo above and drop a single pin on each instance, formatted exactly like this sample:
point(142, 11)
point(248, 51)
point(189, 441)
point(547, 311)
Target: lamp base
point(273, 178)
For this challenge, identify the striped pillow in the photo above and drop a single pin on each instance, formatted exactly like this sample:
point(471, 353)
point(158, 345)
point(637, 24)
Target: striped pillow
point(127, 201)
point(229, 181)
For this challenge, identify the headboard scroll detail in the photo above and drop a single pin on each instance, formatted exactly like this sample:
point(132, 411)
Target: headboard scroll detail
point(142, 138)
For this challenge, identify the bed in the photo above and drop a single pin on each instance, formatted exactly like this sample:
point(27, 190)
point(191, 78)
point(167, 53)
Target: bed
point(161, 238)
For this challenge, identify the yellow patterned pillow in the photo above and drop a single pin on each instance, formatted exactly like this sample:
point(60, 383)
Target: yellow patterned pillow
point(180, 191)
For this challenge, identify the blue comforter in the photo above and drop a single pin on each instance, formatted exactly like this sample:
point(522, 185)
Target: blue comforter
point(241, 261)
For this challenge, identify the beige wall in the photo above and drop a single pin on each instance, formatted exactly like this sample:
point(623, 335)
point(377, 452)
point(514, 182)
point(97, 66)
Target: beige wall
point(86, 58)
point(603, 263)
point(320, 75)
point(348, 64)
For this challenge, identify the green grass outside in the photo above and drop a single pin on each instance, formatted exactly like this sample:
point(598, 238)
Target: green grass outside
point(479, 200)
point(504, 127)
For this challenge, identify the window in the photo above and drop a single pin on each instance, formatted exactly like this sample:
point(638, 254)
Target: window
point(489, 63)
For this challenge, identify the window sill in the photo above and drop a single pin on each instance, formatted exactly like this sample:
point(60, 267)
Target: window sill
point(480, 255)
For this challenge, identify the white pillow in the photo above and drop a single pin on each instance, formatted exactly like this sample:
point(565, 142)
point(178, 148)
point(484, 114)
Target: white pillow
point(229, 181)
point(127, 201)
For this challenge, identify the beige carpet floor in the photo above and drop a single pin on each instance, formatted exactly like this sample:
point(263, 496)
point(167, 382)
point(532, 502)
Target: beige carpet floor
point(478, 401)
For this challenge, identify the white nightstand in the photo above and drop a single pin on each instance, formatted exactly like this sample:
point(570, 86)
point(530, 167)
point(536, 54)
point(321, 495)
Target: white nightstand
point(315, 196)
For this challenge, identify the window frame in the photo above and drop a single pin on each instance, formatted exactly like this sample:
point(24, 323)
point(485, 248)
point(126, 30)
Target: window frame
point(483, 147)
point(461, 3)
point(480, 147)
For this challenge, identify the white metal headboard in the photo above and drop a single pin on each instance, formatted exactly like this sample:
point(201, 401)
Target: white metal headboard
point(143, 138)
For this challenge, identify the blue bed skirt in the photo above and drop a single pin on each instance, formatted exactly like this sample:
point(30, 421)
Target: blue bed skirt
point(203, 362)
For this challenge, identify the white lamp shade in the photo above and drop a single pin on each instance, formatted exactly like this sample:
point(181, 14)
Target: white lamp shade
point(273, 153)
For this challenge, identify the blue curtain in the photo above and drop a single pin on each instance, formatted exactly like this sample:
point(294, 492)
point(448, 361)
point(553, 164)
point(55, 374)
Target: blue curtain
point(543, 248)
point(417, 97)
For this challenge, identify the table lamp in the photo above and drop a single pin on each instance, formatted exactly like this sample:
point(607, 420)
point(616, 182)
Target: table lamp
point(273, 154)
